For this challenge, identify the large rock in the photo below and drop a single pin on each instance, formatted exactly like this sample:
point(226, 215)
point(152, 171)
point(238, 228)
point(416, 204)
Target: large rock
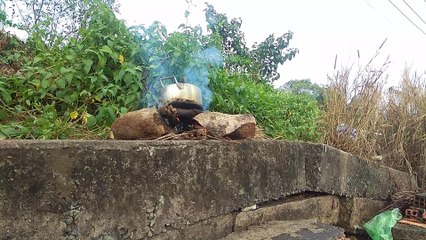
point(240, 126)
point(146, 123)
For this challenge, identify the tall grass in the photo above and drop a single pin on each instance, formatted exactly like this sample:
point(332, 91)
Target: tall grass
point(385, 125)
point(404, 140)
point(352, 117)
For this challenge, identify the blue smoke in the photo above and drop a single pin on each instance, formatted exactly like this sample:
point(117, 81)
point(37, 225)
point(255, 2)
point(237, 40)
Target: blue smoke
point(199, 74)
point(159, 66)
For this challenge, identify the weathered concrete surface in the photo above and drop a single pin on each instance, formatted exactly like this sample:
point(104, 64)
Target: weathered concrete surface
point(408, 232)
point(290, 230)
point(213, 228)
point(138, 189)
point(355, 212)
point(324, 209)
point(336, 172)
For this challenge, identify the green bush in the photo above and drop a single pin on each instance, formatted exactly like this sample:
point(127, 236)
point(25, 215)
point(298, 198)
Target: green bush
point(72, 88)
point(282, 115)
point(75, 87)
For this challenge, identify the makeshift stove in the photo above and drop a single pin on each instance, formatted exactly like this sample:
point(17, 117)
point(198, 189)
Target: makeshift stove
point(179, 103)
point(180, 116)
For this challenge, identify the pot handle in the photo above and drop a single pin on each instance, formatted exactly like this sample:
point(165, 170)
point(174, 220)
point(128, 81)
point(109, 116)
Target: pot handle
point(170, 77)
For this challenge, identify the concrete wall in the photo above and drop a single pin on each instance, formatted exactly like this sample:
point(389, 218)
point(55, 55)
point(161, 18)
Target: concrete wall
point(138, 189)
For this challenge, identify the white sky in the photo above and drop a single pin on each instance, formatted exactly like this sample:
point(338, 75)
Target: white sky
point(321, 29)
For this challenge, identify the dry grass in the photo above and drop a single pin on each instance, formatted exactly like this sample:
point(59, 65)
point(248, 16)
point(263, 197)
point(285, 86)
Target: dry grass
point(354, 103)
point(390, 124)
point(10, 44)
point(404, 141)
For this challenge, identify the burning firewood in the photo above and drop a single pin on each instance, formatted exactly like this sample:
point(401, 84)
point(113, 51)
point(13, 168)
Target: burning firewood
point(175, 116)
point(146, 123)
point(194, 134)
point(240, 126)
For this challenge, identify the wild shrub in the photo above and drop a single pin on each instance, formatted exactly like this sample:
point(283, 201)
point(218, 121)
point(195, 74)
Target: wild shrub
point(72, 88)
point(281, 115)
point(75, 86)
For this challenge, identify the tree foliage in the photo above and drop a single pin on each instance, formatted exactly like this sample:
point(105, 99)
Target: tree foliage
point(262, 60)
point(2, 13)
point(305, 87)
point(58, 18)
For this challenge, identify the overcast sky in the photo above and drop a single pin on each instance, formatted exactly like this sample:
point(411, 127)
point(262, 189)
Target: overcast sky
point(321, 29)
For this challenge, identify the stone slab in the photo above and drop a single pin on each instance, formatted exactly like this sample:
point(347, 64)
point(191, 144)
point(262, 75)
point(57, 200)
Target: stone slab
point(209, 229)
point(333, 171)
point(355, 212)
point(408, 232)
point(98, 188)
point(93, 189)
point(289, 230)
point(324, 209)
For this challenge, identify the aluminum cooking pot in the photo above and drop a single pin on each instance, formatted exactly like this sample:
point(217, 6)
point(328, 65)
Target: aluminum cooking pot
point(182, 95)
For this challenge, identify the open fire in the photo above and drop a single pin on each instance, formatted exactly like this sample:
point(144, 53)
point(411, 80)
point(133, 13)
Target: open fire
point(183, 122)
point(179, 110)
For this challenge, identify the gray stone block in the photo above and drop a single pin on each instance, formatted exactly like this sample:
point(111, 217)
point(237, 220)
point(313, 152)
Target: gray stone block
point(92, 189)
point(324, 209)
point(290, 230)
point(355, 212)
point(332, 171)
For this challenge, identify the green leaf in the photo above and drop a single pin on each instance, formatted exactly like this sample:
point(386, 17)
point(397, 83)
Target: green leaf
point(129, 99)
point(45, 83)
point(85, 93)
point(120, 74)
point(60, 94)
point(123, 110)
point(93, 79)
point(69, 77)
point(91, 121)
point(64, 70)
point(106, 49)
point(61, 82)
point(87, 65)
point(9, 131)
point(37, 59)
point(102, 61)
point(3, 114)
point(6, 96)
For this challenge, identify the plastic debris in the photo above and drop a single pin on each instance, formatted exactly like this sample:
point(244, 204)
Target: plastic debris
point(380, 226)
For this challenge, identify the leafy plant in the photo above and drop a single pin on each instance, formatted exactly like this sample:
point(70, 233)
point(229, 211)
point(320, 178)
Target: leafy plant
point(282, 115)
point(83, 85)
point(74, 86)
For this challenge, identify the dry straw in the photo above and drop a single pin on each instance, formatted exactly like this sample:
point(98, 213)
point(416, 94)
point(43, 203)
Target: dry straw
point(377, 123)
